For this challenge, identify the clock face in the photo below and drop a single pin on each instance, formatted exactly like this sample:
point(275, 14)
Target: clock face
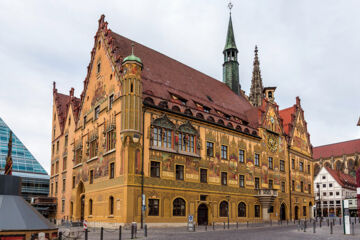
point(272, 142)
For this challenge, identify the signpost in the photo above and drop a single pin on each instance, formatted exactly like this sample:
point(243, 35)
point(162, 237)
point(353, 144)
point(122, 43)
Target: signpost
point(190, 224)
point(346, 217)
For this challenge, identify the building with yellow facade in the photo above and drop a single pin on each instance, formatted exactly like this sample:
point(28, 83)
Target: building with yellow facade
point(151, 139)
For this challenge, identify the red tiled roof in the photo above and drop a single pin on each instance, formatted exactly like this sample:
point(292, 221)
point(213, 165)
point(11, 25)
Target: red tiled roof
point(286, 115)
point(345, 180)
point(337, 149)
point(163, 76)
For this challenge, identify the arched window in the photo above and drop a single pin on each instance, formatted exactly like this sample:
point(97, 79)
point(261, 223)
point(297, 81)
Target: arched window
point(162, 132)
point(242, 210)
point(224, 206)
point(90, 207)
point(111, 205)
point(199, 115)
point(179, 207)
point(211, 119)
point(149, 100)
point(176, 109)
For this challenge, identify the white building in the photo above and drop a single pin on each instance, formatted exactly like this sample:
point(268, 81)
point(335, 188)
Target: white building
point(331, 187)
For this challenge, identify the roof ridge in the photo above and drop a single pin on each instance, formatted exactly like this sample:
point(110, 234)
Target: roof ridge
point(352, 140)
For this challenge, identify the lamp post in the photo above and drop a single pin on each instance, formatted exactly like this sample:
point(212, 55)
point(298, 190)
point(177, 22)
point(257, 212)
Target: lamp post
point(228, 200)
point(319, 199)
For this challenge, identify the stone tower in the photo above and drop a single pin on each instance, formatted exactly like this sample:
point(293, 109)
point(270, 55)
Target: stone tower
point(131, 107)
point(231, 65)
point(256, 90)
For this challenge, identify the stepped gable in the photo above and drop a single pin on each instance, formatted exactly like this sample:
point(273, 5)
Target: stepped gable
point(163, 77)
point(345, 180)
point(337, 149)
point(288, 115)
point(62, 102)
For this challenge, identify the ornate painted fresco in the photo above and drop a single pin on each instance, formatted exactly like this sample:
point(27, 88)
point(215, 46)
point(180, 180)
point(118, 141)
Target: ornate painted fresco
point(300, 138)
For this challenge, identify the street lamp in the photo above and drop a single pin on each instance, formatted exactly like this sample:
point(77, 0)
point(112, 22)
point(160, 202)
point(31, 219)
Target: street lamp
point(228, 206)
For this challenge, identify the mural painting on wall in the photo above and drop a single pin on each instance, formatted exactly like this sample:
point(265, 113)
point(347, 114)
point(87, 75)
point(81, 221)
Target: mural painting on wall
point(192, 166)
point(276, 176)
point(167, 162)
point(271, 121)
point(99, 92)
point(214, 169)
point(264, 173)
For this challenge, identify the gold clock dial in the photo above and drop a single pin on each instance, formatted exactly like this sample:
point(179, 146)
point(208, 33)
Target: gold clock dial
point(272, 142)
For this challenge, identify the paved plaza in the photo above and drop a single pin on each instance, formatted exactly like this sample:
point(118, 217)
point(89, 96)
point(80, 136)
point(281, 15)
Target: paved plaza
point(242, 231)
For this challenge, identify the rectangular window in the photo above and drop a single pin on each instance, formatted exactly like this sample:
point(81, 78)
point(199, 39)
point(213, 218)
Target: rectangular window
point(301, 166)
point(51, 189)
point(78, 155)
point(209, 149)
point(282, 186)
point(223, 152)
point(85, 120)
point(271, 184)
point(179, 172)
point(331, 193)
point(309, 169)
point(57, 146)
point(111, 100)
point(155, 169)
point(203, 175)
point(324, 186)
point(293, 163)
point(257, 159)
point(270, 163)
point(53, 149)
point(66, 141)
point(324, 193)
point(153, 207)
point(62, 205)
point(293, 185)
point(97, 112)
point(57, 167)
point(91, 176)
point(282, 165)
point(93, 148)
point(56, 187)
point(337, 193)
point(257, 211)
point(241, 156)
point(110, 140)
point(257, 183)
point(302, 186)
point(112, 170)
point(223, 178)
point(203, 197)
point(309, 188)
point(242, 181)
point(63, 185)
point(73, 182)
point(330, 185)
point(64, 163)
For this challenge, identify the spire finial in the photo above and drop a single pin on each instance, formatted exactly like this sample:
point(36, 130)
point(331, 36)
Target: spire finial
point(132, 48)
point(230, 6)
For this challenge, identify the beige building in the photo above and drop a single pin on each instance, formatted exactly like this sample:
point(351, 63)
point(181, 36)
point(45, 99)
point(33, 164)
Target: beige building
point(149, 126)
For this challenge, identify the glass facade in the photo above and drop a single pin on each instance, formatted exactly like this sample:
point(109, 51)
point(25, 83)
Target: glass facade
point(35, 180)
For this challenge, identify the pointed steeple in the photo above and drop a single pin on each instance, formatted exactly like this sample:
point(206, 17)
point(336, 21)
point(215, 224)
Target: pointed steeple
point(230, 39)
point(256, 90)
point(231, 65)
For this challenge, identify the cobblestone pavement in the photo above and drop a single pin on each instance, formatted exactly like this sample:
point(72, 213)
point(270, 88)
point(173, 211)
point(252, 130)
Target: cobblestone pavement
point(255, 231)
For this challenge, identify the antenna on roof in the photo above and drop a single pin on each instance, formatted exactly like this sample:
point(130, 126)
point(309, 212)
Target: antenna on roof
point(230, 6)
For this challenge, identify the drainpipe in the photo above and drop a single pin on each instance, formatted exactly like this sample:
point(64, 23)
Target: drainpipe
point(142, 173)
point(290, 189)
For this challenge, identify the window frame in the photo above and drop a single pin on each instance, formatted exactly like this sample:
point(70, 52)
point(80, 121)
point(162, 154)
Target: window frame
point(209, 154)
point(257, 183)
point(201, 175)
point(222, 179)
point(241, 156)
point(282, 165)
point(154, 209)
point(179, 209)
point(242, 214)
point(271, 162)
point(179, 172)
point(242, 181)
point(224, 149)
point(158, 167)
point(111, 170)
point(257, 160)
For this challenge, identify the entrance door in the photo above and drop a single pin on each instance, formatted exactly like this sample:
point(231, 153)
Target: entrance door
point(82, 208)
point(283, 212)
point(202, 214)
point(296, 213)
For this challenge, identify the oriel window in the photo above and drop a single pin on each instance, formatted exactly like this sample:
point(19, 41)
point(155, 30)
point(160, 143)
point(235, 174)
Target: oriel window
point(209, 149)
point(153, 207)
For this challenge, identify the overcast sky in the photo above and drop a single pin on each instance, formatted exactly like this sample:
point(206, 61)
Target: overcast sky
point(307, 48)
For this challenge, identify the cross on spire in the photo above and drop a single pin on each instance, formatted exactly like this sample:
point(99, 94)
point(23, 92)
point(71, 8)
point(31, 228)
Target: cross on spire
point(230, 6)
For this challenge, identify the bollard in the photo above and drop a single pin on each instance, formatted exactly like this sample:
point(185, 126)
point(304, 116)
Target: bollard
point(60, 235)
point(86, 234)
point(120, 230)
point(224, 225)
point(331, 228)
point(340, 221)
point(213, 226)
point(305, 225)
point(132, 231)
point(247, 224)
point(237, 225)
point(327, 221)
point(101, 233)
point(333, 221)
point(320, 222)
point(194, 228)
point(355, 220)
point(314, 227)
point(145, 231)
point(352, 228)
point(206, 227)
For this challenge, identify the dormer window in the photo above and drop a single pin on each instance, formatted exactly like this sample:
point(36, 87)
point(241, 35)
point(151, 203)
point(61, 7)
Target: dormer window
point(227, 117)
point(206, 109)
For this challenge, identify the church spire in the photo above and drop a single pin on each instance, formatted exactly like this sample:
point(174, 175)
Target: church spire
point(231, 65)
point(256, 90)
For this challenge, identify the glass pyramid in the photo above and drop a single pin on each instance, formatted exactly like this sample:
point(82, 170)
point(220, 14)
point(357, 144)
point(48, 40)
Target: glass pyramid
point(23, 160)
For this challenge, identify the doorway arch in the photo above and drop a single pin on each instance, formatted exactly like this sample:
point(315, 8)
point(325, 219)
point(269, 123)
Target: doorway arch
point(283, 212)
point(296, 213)
point(203, 214)
point(80, 201)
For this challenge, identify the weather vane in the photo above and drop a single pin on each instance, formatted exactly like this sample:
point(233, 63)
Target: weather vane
point(230, 6)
